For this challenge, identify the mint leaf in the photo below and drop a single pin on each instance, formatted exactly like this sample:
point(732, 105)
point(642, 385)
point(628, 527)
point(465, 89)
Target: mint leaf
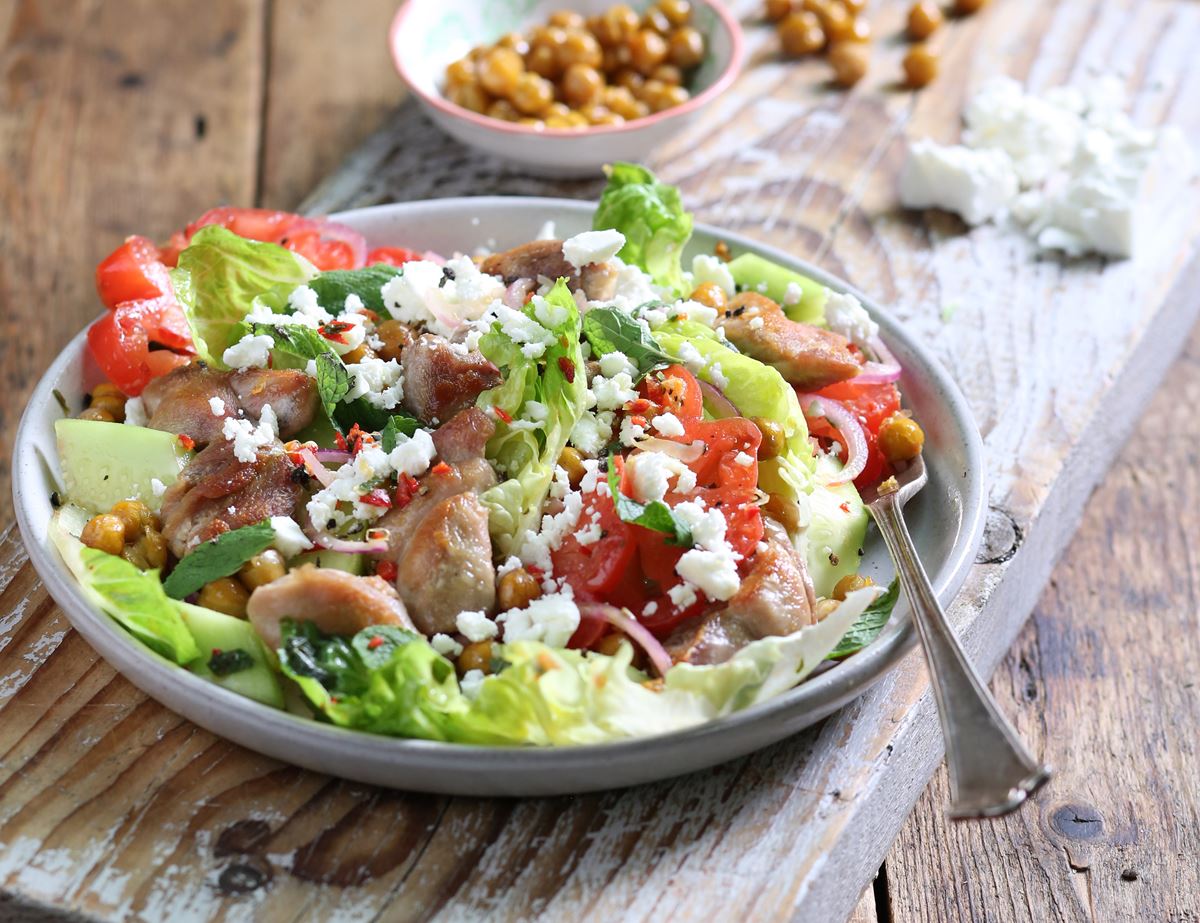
point(221, 557)
point(389, 436)
point(333, 287)
point(333, 381)
point(301, 342)
point(610, 330)
point(375, 653)
point(866, 627)
point(224, 663)
point(655, 515)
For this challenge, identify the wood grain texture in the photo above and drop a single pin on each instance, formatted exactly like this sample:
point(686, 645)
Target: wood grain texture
point(1103, 679)
point(112, 806)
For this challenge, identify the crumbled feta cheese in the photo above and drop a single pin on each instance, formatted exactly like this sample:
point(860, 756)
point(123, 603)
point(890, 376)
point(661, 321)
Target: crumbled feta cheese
point(615, 363)
point(744, 459)
point(253, 351)
point(290, 540)
point(476, 626)
point(978, 185)
point(592, 431)
point(550, 619)
point(135, 412)
point(592, 247)
point(707, 268)
point(612, 393)
point(683, 595)
point(631, 432)
point(413, 455)
point(536, 547)
point(471, 683)
point(444, 298)
point(651, 474)
point(158, 487)
point(217, 406)
point(247, 438)
point(561, 485)
point(845, 315)
point(717, 376)
point(379, 382)
point(793, 294)
point(650, 608)
point(714, 573)
point(668, 424)
point(589, 534)
point(445, 645)
point(511, 564)
point(756, 323)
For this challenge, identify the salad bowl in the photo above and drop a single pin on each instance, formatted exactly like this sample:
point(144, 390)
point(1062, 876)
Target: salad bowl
point(946, 522)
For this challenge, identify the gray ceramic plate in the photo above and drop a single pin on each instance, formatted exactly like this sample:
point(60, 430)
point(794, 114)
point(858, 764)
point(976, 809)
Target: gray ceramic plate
point(946, 521)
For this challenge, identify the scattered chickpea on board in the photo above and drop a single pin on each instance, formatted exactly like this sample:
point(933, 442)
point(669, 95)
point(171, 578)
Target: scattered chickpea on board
point(841, 30)
point(573, 73)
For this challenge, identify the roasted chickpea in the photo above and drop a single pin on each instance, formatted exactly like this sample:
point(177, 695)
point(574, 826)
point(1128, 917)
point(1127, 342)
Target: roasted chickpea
point(535, 124)
point(225, 594)
point(135, 516)
point(630, 80)
point(659, 96)
point(854, 7)
point(647, 50)
point(557, 111)
point(533, 94)
point(517, 589)
point(849, 61)
point(395, 336)
point(711, 294)
point(620, 101)
point(580, 48)
point(825, 608)
point(924, 18)
point(576, 119)
point(543, 60)
point(778, 9)
point(98, 414)
point(656, 20)
point(967, 7)
point(669, 74)
point(265, 567)
point(600, 115)
point(105, 532)
point(153, 548)
point(470, 96)
point(363, 350)
point(783, 511)
point(686, 48)
point(476, 656)
point(107, 389)
point(860, 30)
point(500, 70)
point(582, 85)
point(461, 72)
point(568, 19)
point(900, 438)
point(618, 58)
point(516, 41)
point(679, 12)
point(801, 33)
point(610, 644)
point(572, 462)
point(920, 67)
point(849, 584)
point(836, 21)
point(774, 439)
point(114, 407)
point(722, 252)
point(616, 25)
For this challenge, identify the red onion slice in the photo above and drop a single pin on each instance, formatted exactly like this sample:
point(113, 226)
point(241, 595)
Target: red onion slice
point(716, 401)
point(332, 230)
point(517, 293)
point(686, 452)
point(637, 632)
point(336, 456)
point(376, 542)
point(314, 467)
point(840, 417)
point(885, 368)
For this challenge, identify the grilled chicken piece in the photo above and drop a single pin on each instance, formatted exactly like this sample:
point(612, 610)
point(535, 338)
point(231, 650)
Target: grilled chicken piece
point(776, 598)
point(180, 401)
point(336, 602)
point(545, 258)
point(439, 382)
point(217, 493)
point(446, 566)
point(808, 357)
point(464, 437)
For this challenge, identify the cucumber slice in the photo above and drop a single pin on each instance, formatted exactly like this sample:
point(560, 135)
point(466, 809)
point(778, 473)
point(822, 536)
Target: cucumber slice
point(751, 270)
point(351, 563)
point(103, 463)
point(836, 531)
point(215, 631)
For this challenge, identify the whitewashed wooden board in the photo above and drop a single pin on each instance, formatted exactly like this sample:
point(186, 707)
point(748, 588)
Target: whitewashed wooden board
point(1057, 358)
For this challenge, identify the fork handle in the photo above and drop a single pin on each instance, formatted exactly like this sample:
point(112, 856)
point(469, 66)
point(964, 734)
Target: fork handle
point(991, 771)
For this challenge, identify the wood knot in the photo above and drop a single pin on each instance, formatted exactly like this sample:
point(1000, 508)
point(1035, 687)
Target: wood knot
point(1078, 822)
point(244, 877)
point(1002, 536)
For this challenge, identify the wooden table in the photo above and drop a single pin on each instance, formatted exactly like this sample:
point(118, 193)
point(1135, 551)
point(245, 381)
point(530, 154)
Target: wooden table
point(136, 116)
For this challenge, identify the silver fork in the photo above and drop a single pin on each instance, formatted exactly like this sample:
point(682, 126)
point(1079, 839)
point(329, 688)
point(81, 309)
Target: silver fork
point(991, 770)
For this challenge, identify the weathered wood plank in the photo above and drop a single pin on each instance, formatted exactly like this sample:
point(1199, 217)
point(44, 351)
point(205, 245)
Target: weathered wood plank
point(111, 805)
point(1104, 679)
point(110, 123)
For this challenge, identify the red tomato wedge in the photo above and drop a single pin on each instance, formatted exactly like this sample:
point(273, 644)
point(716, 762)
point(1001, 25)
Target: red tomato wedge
point(132, 272)
point(871, 404)
point(392, 256)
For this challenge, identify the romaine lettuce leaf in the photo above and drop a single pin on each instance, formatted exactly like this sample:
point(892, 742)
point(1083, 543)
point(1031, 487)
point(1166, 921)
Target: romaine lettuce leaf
point(220, 275)
point(651, 216)
point(524, 453)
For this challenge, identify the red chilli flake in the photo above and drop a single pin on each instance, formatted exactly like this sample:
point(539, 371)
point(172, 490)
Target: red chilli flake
point(187, 441)
point(641, 405)
point(340, 441)
point(441, 468)
point(502, 414)
point(377, 640)
point(406, 489)
point(335, 331)
point(845, 507)
point(568, 369)
point(377, 497)
point(387, 570)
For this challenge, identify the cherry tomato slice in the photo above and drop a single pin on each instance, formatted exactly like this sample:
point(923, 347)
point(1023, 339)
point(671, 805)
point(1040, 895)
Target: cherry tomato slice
point(392, 256)
point(132, 272)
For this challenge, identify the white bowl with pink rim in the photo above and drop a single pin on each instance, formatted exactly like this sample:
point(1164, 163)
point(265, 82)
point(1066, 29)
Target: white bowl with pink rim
point(428, 35)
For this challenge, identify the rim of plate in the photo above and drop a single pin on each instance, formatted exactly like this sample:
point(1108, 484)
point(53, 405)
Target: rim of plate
point(737, 56)
point(820, 694)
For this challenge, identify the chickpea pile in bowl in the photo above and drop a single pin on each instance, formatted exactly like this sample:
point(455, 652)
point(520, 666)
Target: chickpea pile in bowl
point(576, 72)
